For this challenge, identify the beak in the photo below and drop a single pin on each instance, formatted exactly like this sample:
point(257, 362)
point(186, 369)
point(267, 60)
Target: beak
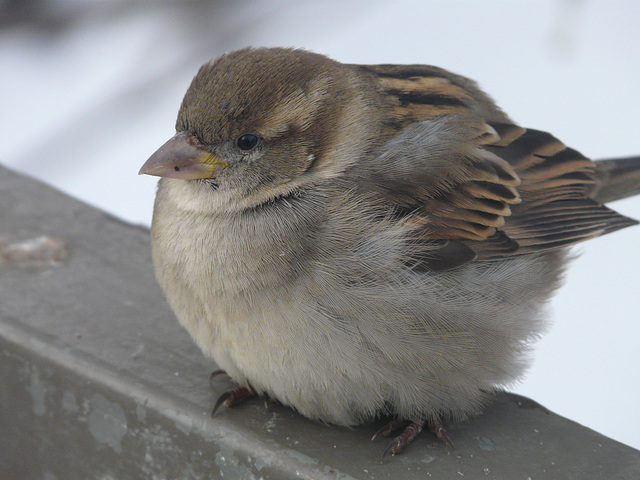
point(180, 157)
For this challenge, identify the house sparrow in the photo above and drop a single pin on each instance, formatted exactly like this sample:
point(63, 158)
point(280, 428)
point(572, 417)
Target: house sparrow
point(366, 240)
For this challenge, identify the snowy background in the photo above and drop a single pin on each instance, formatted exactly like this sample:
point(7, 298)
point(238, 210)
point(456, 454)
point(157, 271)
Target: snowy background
point(89, 89)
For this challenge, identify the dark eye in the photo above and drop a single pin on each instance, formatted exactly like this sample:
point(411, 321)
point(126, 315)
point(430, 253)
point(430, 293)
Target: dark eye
point(246, 142)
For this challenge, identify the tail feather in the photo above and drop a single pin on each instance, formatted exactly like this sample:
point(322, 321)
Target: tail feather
point(616, 178)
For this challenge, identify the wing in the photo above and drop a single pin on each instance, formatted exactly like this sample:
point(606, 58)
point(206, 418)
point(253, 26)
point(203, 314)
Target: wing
point(468, 182)
point(472, 190)
point(556, 208)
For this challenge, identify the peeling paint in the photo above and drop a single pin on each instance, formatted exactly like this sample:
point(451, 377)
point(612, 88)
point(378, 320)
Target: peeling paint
point(301, 457)
point(107, 422)
point(486, 444)
point(40, 252)
point(260, 463)
point(270, 424)
point(183, 422)
point(231, 467)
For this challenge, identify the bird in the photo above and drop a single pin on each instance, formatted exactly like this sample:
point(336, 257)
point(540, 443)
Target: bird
point(367, 241)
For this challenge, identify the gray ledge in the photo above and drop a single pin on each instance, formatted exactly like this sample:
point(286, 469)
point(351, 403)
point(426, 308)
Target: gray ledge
point(99, 381)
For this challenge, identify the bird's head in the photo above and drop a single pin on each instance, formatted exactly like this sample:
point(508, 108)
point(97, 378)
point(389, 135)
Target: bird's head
point(259, 123)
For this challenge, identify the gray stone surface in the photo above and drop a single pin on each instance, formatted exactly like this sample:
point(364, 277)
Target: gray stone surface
point(97, 380)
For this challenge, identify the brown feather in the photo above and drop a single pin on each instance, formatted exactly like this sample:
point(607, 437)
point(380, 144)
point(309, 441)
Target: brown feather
point(514, 191)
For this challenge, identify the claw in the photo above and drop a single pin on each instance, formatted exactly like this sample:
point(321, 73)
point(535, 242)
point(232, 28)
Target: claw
point(398, 444)
point(221, 399)
point(436, 428)
point(215, 374)
point(233, 397)
point(408, 434)
point(267, 401)
point(389, 428)
point(392, 447)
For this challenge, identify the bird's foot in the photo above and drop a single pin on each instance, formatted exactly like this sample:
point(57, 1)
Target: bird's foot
point(409, 433)
point(436, 428)
point(236, 395)
point(233, 396)
point(399, 443)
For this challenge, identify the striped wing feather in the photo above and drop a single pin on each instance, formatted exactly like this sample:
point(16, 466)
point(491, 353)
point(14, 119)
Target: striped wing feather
point(555, 181)
point(518, 191)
